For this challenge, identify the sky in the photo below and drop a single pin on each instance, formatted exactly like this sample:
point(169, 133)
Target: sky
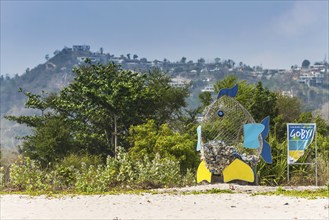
point(274, 34)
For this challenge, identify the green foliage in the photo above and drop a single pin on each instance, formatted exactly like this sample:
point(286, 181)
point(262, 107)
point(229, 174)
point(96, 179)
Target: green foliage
point(2, 177)
point(50, 141)
point(205, 98)
point(323, 155)
point(167, 101)
point(309, 194)
point(209, 191)
point(76, 160)
point(289, 112)
point(263, 103)
point(288, 107)
point(63, 177)
point(121, 172)
point(148, 139)
point(306, 63)
point(27, 175)
point(75, 132)
point(276, 173)
point(89, 179)
point(82, 116)
point(158, 172)
point(280, 128)
point(305, 117)
point(322, 127)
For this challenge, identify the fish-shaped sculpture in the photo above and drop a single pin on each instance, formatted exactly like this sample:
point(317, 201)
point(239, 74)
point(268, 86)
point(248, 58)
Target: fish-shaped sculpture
point(230, 140)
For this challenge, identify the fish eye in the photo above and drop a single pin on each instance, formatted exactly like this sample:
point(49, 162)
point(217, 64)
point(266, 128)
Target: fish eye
point(220, 113)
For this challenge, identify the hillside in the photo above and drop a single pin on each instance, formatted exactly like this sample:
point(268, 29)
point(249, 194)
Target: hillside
point(56, 73)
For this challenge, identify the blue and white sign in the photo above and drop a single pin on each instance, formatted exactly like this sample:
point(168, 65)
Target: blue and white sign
point(300, 136)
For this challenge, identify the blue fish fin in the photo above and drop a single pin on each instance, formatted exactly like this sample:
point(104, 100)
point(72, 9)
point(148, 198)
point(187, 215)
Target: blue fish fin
point(266, 123)
point(251, 133)
point(198, 146)
point(266, 151)
point(229, 92)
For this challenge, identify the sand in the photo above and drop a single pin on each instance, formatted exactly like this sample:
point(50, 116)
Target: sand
point(240, 205)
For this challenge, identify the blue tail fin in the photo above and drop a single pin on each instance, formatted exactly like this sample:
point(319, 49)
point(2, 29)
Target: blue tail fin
point(266, 151)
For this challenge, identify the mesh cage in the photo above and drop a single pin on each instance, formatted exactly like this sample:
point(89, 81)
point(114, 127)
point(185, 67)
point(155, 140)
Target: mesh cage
point(222, 135)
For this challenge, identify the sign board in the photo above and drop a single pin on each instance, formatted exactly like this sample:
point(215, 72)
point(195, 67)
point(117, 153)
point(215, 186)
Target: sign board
point(300, 136)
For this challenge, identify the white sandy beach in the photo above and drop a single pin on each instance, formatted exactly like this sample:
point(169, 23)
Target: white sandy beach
point(240, 205)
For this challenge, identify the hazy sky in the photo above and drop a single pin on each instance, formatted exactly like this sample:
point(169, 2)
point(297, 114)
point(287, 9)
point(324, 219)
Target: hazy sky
point(276, 34)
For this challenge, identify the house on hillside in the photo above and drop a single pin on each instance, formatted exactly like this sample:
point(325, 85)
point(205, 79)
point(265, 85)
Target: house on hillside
point(312, 78)
point(179, 82)
point(85, 48)
point(288, 93)
point(208, 88)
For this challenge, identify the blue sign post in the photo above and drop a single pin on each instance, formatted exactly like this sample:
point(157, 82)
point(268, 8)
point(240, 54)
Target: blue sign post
point(300, 136)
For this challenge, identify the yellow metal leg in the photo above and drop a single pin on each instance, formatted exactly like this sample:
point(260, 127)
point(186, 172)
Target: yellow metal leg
point(238, 170)
point(203, 173)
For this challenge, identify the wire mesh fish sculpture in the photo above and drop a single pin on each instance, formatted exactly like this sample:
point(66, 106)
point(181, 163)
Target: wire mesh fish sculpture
point(230, 140)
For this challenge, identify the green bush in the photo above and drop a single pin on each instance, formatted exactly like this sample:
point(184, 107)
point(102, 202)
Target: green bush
point(2, 177)
point(89, 179)
point(77, 160)
point(27, 174)
point(274, 174)
point(63, 177)
point(121, 172)
point(159, 172)
point(149, 139)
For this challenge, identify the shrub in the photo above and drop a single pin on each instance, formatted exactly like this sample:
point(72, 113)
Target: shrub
point(149, 139)
point(274, 174)
point(63, 177)
point(27, 174)
point(89, 179)
point(159, 172)
point(122, 172)
point(2, 177)
point(76, 160)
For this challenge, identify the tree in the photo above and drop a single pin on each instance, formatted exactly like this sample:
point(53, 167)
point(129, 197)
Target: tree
point(288, 111)
point(201, 62)
point(101, 96)
point(56, 52)
point(135, 56)
point(168, 101)
point(183, 60)
point(205, 98)
point(143, 60)
point(128, 56)
point(288, 107)
point(50, 141)
point(263, 103)
point(230, 63)
point(217, 60)
point(306, 64)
